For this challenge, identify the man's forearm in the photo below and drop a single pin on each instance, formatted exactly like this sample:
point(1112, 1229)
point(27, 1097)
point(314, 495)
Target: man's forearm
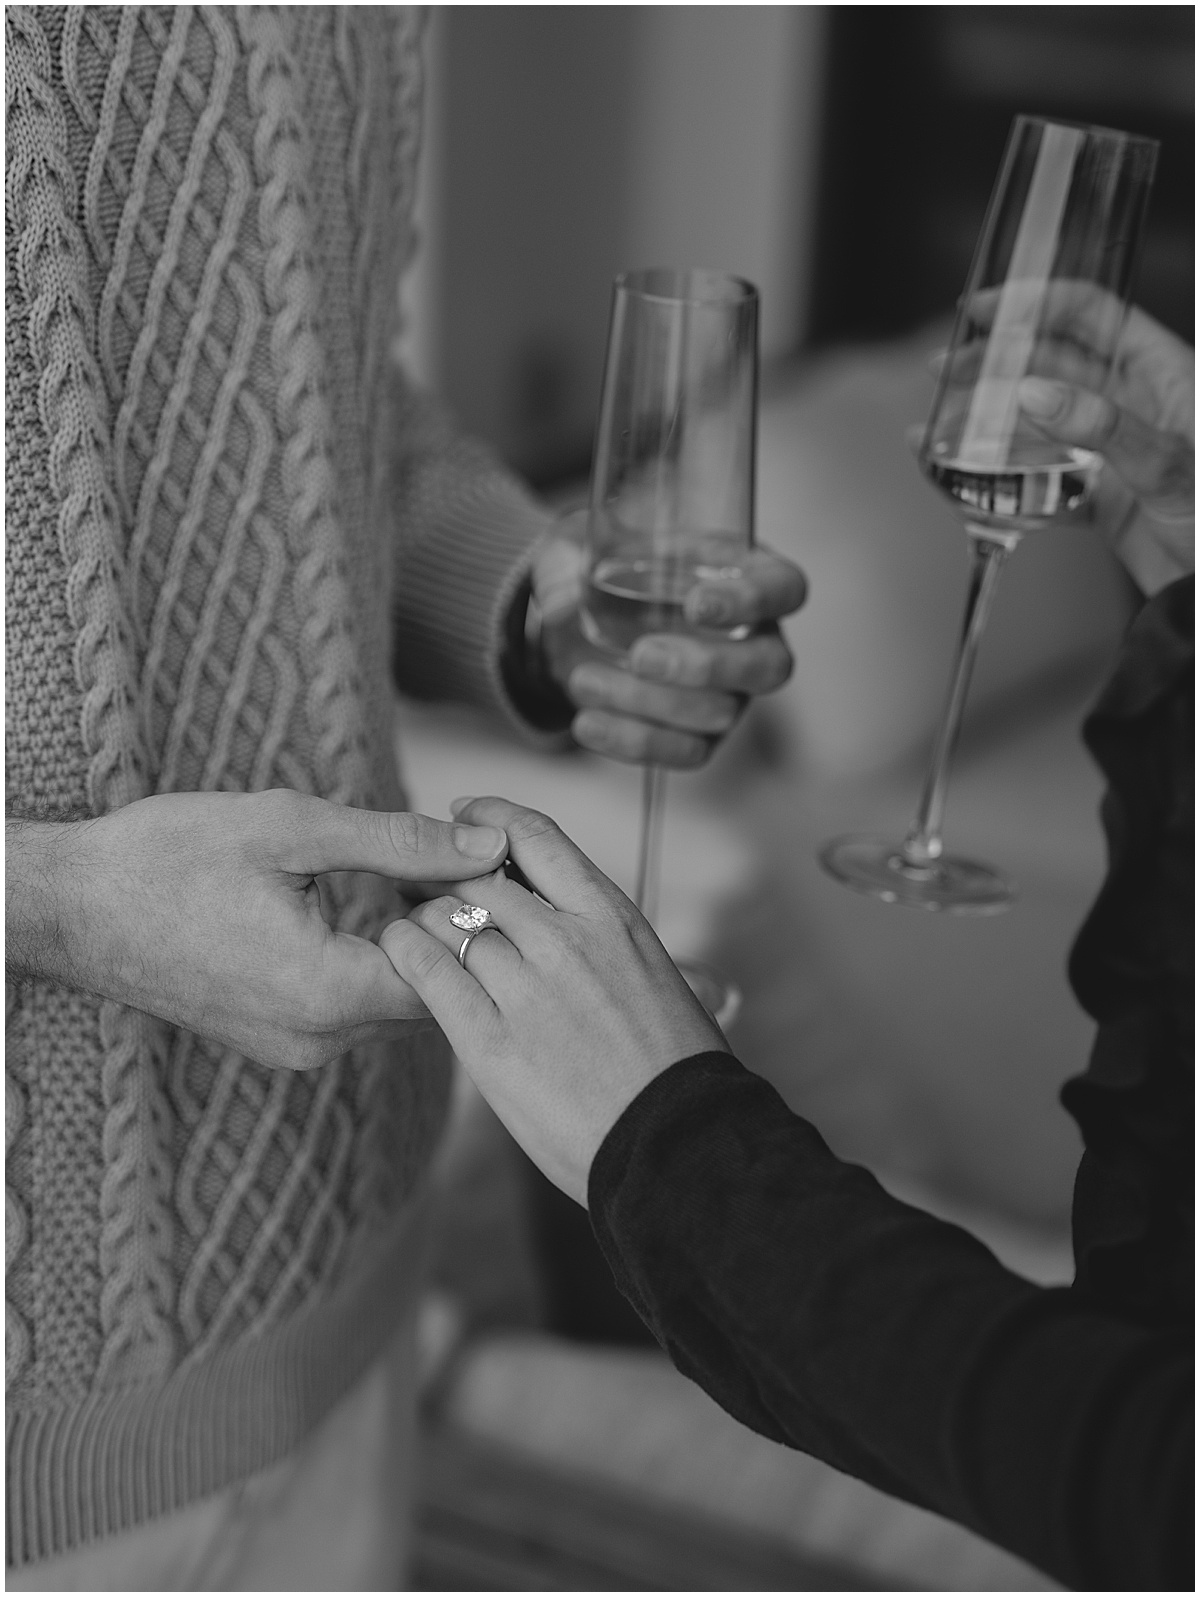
point(44, 893)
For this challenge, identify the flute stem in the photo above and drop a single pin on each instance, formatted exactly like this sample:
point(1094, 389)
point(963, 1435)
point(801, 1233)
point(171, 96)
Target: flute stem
point(923, 845)
point(654, 790)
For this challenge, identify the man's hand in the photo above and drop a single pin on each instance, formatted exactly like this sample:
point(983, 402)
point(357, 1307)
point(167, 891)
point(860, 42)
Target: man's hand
point(679, 693)
point(203, 909)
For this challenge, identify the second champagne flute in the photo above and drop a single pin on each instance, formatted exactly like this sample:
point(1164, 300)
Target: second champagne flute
point(672, 491)
point(1046, 297)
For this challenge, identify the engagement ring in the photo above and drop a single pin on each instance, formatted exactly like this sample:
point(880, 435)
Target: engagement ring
point(472, 919)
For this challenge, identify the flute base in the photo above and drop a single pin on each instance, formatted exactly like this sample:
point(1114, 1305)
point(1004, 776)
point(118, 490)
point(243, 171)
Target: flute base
point(716, 992)
point(877, 866)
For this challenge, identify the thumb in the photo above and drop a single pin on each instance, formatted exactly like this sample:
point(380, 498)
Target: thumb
point(1157, 466)
point(311, 835)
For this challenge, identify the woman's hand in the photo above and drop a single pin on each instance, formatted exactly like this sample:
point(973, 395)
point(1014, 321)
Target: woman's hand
point(566, 1012)
point(203, 909)
point(1140, 417)
point(1145, 428)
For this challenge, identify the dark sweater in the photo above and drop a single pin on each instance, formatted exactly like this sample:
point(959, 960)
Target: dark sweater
point(825, 1314)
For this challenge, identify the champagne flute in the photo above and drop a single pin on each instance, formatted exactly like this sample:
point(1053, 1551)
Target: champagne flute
point(672, 490)
point(1046, 296)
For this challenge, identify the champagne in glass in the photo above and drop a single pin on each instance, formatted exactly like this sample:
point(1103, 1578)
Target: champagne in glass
point(672, 491)
point(1046, 297)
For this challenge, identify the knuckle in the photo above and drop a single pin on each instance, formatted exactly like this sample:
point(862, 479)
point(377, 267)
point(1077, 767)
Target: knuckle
point(587, 731)
point(617, 737)
point(404, 831)
point(281, 804)
point(279, 814)
point(626, 917)
point(310, 1053)
point(559, 953)
point(777, 665)
point(721, 711)
point(400, 938)
point(422, 956)
point(424, 916)
point(682, 750)
point(528, 826)
point(588, 685)
point(280, 820)
point(697, 664)
point(640, 742)
point(392, 937)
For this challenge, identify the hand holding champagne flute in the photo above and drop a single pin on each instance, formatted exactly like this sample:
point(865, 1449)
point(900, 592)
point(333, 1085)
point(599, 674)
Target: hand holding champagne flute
point(1046, 300)
point(672, 493)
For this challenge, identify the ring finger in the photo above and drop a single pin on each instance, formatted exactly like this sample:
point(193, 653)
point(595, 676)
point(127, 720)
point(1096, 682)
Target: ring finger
point(485, 954)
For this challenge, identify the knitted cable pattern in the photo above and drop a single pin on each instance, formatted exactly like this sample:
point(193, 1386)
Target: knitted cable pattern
point(42, 196)
point(51, 268)
point(16, 1217)
point(207, 212)
point(137, 1298)
point(45, 777)
point(302, 416)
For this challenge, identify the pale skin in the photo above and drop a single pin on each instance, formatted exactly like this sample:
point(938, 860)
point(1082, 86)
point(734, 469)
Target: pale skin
point(678, 694)
point(672, 704)
point(203, 908)
point(1143, 424)
point(572, 1007)
point(564, 1013)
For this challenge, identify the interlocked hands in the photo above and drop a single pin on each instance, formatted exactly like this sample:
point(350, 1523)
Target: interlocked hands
point(204, 909)
point(566, 1011)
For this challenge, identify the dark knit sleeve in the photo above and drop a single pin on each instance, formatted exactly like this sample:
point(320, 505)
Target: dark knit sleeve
point(825, 1314)
point(466, 529)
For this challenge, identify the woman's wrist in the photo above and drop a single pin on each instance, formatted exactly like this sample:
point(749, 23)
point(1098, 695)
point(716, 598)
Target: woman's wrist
point(674, 1093)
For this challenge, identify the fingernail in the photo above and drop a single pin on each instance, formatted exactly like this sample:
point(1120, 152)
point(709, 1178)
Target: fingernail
point(589, 726)
point(458, 805)
point(479, 842)
point(652, 657)
point(586, 678)
point(709, 608)
point(1040, 397)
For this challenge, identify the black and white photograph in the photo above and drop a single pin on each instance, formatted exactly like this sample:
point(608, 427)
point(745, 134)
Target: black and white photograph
point(599, 777)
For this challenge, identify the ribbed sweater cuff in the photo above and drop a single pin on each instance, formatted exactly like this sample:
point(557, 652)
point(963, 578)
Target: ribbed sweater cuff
point(460, 580)
point(77, 1471)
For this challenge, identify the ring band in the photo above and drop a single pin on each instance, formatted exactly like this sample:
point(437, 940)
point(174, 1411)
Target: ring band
point(470, 938)
point(472, 919)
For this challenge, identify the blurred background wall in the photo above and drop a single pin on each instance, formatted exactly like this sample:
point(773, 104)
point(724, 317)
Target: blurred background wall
point(839, 156)
point(842, 158)
point(569, 141)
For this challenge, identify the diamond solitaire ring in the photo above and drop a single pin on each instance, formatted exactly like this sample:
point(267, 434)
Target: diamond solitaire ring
point(472, 919)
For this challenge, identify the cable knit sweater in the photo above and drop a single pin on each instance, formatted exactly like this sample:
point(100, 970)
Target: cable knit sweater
point(228, 521)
